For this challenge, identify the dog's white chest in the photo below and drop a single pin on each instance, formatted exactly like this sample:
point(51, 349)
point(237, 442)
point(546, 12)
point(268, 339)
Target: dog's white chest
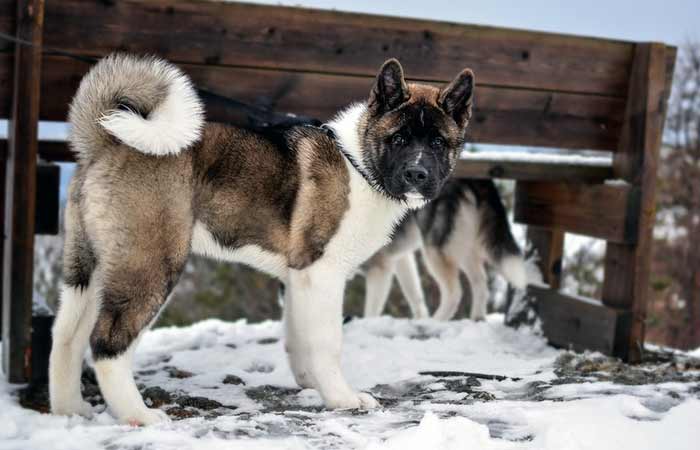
point(365, 228)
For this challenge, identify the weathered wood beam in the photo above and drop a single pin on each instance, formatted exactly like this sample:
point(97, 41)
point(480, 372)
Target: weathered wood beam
point(322, 41)
point(627, 266)
point(20, 194)
point(598, 210)
point(524, 170)
point(502, 115)
point(579, 323)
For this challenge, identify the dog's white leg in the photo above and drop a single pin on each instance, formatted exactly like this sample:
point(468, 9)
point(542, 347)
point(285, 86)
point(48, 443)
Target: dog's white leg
point(378, 286)
point(446, 274)
point(119, 390)
point(296, 360)
point(409, 280)
point(314, 334)
point(476, 274)
point(71, 333)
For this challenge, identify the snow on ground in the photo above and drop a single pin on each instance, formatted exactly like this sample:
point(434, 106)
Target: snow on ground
point(228, 385)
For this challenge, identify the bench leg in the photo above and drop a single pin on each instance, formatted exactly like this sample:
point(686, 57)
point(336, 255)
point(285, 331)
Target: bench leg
point(549, 245)
point(20, 195)
point(626, 288)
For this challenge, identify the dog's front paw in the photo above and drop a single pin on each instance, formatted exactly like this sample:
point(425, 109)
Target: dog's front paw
point(79, 407)
point(147, 416)
point(354, 400)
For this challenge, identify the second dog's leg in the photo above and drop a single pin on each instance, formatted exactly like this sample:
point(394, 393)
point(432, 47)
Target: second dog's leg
point(446, 274)
point(314, 335)
point(378, 285)
point(476, 273)
point(409, 280)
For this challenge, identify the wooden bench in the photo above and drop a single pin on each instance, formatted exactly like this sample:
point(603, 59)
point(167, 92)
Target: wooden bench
point(534, 89)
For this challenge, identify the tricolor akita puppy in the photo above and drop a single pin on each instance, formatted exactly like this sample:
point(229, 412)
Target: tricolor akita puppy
point(464, 229)
point(307, 205)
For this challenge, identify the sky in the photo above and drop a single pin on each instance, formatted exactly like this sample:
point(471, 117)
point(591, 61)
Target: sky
point(670, 21)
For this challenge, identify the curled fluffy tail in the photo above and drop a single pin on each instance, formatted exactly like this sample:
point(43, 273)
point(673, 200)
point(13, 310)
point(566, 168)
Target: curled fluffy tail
point(144, 102)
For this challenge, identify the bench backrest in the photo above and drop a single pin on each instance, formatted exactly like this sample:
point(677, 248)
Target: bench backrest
point(534, 89)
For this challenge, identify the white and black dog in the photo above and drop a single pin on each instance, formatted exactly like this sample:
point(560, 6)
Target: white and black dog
point(461, 231)
point(155, 183)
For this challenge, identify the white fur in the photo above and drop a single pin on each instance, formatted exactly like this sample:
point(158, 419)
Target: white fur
point(313, 324)
point(344, 124)
point(513, 269)
point(119, 390)
point(204, 243)
point(172, 126)
point(75, 320)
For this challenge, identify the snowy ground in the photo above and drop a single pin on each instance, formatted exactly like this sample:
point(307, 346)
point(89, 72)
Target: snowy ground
point(227, 385)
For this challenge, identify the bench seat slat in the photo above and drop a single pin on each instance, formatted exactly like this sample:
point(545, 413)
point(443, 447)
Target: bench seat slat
point(532, 167)
point(502, 116)
point(604, 211)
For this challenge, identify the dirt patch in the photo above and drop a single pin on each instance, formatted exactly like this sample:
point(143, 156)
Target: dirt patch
point(156, 397)
point(174, 372)
point(658, 367)
point(233, 379)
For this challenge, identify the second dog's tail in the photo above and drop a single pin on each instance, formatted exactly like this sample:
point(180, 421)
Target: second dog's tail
point(504, 252)
point(145, 103)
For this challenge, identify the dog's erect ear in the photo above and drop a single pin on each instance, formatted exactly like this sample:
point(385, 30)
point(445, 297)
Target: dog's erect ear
point(390, 89)
point(456, 98)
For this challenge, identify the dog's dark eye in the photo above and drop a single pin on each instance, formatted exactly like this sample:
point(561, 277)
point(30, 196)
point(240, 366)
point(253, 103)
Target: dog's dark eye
point(397, 140)
point(437, 142)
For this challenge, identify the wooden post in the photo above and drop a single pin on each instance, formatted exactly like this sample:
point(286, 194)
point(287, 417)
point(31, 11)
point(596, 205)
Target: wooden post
point(20, 194)
point(549, 245)
point(627, 266)
point(3, 160)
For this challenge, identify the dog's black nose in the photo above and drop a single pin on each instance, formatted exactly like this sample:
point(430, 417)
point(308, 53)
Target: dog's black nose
point(415, 176)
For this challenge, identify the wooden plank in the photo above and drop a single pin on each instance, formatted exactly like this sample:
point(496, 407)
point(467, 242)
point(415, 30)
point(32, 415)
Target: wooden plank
point(20, 195)
point(579, 323)
point(603, 211)
point(627, 267)
point(524, 170)
point(3, 168)
point(502, 116)
point(549, 245)
point(48, 184)
point(322, 41)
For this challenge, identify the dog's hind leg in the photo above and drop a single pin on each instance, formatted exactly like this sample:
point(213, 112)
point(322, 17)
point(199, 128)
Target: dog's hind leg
point(132, 294)
point(71, 333)
point(377, 285)
point(75, 319)
point(409, 280)
point(445, 271)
